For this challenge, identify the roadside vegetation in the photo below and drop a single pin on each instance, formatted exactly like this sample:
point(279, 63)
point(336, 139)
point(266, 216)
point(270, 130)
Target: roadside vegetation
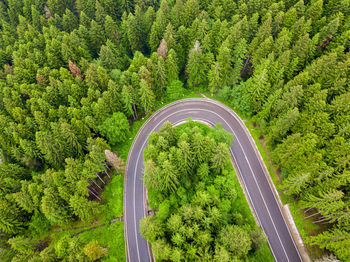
point(76, 75)
point(201, 212)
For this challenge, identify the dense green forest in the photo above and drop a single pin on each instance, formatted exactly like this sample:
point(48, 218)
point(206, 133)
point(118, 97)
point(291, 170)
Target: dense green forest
point(75, 74)
point(190, 181)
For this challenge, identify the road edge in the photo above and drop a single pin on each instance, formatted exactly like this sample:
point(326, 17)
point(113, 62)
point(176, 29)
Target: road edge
point(288, 218)
point(287, 215)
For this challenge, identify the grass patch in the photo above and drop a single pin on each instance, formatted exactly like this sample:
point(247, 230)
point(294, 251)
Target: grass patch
point(165, 100)
point(113, 197)
point(263, 254)
point(111, 236)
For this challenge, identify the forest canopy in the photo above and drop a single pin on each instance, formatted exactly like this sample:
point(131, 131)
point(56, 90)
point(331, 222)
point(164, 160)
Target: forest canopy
point(191, 184)
point(71, 69)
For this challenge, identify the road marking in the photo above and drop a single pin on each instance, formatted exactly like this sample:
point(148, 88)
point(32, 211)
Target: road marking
point(245, 185)
point(229, 111)
point(197, 109)
point(245, 156)
point(135, 174)
point(257, 153)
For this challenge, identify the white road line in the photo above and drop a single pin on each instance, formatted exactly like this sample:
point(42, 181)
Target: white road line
point(245, 129)
point(185, 110)
point(245, 156)
point(135, 174)
point(137, 244)
point(245, 185)
point(208, 111)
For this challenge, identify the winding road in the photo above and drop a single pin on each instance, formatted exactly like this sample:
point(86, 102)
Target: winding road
point(248, 162)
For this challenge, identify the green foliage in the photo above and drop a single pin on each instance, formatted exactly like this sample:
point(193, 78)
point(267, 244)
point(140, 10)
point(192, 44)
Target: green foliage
point(39, 225)
point(198, 67)
point(175, 90)
point(67, 66)
point(113, 195)
point(94, 251)
point(23, 245)
point(10, 218)
point(335, 240)
point(55, 208)
point(83, 208)
point(115, 128)
point(147, 97)
point(235, 240)
point(195, 211)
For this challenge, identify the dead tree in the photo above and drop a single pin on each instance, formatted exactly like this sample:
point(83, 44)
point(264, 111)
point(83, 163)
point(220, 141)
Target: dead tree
point(113, 159)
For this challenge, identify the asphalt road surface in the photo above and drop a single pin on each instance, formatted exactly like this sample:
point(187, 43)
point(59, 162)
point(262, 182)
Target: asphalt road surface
point(247, 161)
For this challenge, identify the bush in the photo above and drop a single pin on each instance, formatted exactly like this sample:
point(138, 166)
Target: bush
point(175, 90)
point(94, 251)
point(115, 128)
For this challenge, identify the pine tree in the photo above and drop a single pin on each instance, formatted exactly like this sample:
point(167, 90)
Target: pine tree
point(190, 12)
point(214, 78)
point(23, 245)
point(330, 29)
point(196, 68)
point(111, 29)
point(161, 76)
point(69, 21)
point(53, 53)
point(176, 13)
point(50, 148)
point(128, 101)
point(155, 37)
point(171, 67)
point(86, 6)
point(169, 37)
point(162, 16)
point(29, 197)
point(290, 17)
point(147, 97)
point(220, 157)
point(335, 240)
point(239, 55)
point(187, 157)
point(109, 56)
point(283, 124)
point(224, 59)
point(54, 207)
point(314, 10)
point(295, 184)
point(258, 86)
point(57, 7)
point(150, 17)
point(263, 32)
point(100, 13)
point(136, 28)
point(10, 218)
point(83, 208)
point(96, 36)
